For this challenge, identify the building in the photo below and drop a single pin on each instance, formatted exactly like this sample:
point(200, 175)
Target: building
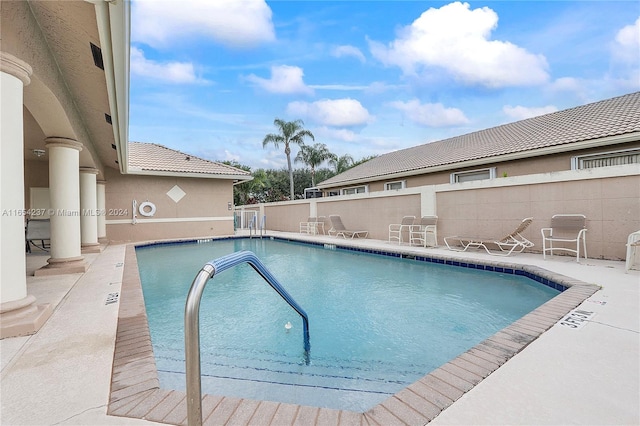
point(65, 155)
point(593, 135)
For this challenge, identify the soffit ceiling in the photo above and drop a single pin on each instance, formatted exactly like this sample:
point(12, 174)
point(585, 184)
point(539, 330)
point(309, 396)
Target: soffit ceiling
point(69, 27)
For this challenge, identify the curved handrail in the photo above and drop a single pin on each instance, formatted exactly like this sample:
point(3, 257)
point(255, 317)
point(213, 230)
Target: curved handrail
point(192, 322)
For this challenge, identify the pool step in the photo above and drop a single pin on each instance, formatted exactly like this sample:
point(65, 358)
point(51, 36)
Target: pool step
point(233, 372)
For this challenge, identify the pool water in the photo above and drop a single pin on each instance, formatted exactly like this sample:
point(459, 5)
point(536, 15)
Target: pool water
point(377, 323)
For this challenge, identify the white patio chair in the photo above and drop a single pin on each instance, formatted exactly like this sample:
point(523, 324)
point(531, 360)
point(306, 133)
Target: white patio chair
point(565, 228)
point(396, 229)
point(418, 233)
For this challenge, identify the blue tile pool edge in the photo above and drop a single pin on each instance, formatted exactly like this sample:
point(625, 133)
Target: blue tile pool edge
point(537, 274)
point(138, 395)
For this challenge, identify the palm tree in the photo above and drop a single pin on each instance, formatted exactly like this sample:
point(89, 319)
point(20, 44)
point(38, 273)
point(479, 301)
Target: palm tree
point(341, 164)
point(290, 132)
point(313, 156)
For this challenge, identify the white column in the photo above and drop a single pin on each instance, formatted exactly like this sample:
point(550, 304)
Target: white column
point(14, 75)
point(64, 194)
point(88, 210)
point(19, 315)
point(102, 210)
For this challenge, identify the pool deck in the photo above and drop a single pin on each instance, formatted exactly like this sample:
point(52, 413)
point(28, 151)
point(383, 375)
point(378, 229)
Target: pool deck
point(586, 375)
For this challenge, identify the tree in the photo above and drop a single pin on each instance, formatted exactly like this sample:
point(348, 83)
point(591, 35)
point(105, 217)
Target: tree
point(313, 156)
point(341, 164)
point(290, 132)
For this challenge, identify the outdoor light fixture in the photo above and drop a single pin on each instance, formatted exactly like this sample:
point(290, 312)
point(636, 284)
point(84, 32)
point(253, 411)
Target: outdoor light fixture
point(39, 152)
point(229, 205)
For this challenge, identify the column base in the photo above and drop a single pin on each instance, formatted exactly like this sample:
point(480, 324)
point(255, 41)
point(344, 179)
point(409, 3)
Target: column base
point(72, 265)
point(22, 317)
point(91, 248)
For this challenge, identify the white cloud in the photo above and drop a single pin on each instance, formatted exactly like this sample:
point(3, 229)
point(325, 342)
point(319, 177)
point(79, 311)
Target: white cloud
point(625, 52)
point(233, 23)
point(346, 50)
point(332, 112)
point(521, 113)
point(171, 72)
point(627, 43)
point(284, 79)
point(432, 115)
point(345, 135)
point(457, 39)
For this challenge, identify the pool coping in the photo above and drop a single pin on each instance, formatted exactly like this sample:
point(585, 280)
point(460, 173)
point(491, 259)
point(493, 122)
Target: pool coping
point(135, 388)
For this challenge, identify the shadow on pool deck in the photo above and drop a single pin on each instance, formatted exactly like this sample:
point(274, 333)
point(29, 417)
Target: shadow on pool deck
point(588, 375)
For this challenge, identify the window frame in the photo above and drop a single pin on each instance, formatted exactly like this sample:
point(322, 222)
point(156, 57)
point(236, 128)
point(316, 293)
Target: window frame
point(454, 176)
point(403, 185)
point(343, 191)
point(578, 160)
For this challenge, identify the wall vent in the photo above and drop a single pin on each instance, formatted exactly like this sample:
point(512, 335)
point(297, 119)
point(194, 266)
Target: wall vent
point(97, 56)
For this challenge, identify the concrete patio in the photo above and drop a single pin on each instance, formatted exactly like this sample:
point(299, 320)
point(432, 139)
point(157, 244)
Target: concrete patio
point(587, 375)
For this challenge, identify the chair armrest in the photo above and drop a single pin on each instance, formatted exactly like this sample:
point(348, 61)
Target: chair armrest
point(549, 230)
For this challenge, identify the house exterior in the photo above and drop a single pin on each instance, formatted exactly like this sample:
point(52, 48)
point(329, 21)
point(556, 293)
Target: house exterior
point(593, 135)
point(65, 155)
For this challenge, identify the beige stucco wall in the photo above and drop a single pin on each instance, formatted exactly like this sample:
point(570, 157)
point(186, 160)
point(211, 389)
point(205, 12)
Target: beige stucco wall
point(612, 208)
point(371, 214)
point(202, 212)
point(609, 197)
point(286, 217)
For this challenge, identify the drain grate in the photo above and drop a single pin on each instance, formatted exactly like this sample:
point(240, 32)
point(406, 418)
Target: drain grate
point(119, 264)
point(112, 298)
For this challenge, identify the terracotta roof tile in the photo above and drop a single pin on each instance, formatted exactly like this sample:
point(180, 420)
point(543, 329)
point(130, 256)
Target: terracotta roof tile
point(152, 157)
point(611, 117)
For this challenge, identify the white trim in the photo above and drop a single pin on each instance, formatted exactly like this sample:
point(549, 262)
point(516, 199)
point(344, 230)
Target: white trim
point(403, 185)
point(366, 190)
point(576, 161)
point(171, 220)
point(454, 176)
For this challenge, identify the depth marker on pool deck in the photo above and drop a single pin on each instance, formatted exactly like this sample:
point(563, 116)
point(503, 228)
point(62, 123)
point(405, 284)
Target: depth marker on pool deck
point(576, 318)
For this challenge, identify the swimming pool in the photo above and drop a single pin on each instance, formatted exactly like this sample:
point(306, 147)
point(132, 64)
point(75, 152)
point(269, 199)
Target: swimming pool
point(370, 336)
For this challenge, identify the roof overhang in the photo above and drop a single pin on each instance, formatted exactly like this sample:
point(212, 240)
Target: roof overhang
point(240, 179)
point(114, 28)
point(557, 149)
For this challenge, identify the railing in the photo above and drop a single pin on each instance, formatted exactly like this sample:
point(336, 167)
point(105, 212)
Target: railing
point(192, 322)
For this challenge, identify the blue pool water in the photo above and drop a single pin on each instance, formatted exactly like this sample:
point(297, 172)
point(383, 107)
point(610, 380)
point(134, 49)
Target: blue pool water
point(377, 323)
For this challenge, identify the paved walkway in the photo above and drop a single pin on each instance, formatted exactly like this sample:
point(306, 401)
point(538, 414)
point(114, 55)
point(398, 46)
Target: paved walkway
point(588, 375)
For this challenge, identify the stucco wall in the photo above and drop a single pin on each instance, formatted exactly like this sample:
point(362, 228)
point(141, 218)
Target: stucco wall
point(612, 208)
point(203, 211)
point(609, 197)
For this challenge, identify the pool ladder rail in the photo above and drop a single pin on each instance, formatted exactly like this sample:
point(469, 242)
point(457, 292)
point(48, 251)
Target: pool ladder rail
point(192, 322)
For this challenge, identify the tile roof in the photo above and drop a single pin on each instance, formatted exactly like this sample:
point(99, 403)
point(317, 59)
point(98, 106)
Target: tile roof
point(151, 157)
point(611, 117)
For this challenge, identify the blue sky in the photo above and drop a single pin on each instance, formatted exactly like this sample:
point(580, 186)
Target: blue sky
point(366, 77)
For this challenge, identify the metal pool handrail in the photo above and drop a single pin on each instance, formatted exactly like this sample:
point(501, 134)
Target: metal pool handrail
point(192, 322)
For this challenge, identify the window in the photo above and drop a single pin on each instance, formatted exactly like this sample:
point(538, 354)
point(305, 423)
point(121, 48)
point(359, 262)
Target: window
point(401, 184)
point(470, 175)
point(603, 159)
point(355, 190)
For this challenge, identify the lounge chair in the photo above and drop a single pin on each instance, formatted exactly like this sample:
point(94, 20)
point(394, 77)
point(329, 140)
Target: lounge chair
point(427, 225)
point(38, 230)
point(511, 242)
point(565, 228)
point(339, 230)
point(396, 229)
